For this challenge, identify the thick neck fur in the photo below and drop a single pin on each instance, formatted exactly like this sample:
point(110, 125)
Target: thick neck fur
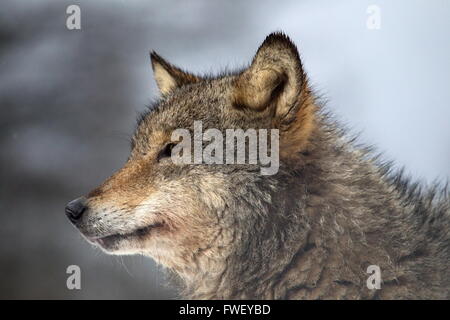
point(311, 232)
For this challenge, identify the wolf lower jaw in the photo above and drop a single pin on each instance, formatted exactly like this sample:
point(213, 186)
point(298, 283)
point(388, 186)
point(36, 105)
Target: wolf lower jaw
point(112, 243)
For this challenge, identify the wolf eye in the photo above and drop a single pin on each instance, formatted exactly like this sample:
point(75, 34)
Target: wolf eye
point(166, 151)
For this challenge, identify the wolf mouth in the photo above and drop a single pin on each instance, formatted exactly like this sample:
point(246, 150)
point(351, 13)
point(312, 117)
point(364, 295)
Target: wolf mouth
point(110, 240)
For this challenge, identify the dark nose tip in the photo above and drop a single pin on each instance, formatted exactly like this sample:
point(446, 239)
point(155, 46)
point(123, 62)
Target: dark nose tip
point(75, 209)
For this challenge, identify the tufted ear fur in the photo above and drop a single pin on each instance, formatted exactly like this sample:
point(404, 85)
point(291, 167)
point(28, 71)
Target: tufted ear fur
point(169, 77)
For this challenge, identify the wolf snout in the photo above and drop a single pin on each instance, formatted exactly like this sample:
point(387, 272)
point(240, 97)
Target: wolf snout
point(75, 209)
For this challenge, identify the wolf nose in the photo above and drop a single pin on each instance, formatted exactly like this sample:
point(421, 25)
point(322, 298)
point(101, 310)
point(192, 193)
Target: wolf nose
point(74, 209)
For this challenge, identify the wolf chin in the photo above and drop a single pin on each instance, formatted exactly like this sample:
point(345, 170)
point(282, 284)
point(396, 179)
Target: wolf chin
point(308, 232)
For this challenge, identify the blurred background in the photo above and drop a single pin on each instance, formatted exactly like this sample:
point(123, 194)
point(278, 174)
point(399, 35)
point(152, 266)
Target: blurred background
point(69, 99)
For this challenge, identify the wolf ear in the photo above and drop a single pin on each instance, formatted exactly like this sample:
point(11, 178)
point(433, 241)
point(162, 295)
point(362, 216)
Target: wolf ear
point(274, 76)
point(169, 77)
point(276, 83)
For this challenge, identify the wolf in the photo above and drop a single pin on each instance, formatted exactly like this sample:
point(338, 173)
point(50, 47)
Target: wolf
point(310, 231)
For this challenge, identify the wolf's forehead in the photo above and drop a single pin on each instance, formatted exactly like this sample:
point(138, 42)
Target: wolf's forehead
point(203, 103)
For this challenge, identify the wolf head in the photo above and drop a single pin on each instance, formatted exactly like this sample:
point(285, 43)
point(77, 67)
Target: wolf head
point(193, 217)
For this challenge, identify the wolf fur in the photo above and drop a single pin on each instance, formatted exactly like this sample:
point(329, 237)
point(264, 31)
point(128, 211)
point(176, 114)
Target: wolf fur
point(308, 232)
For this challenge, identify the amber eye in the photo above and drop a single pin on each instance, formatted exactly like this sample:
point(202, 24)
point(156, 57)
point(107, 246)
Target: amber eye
point(166, 152)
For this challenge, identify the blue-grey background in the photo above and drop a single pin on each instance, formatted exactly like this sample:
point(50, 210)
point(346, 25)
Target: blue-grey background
point(68, 102)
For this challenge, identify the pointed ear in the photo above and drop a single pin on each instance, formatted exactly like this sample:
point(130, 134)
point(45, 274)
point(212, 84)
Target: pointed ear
point(274, 76)
point(169, 77)
point(276, 83)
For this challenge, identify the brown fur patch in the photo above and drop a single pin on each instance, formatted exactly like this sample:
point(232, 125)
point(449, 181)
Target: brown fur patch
point(294, 137)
